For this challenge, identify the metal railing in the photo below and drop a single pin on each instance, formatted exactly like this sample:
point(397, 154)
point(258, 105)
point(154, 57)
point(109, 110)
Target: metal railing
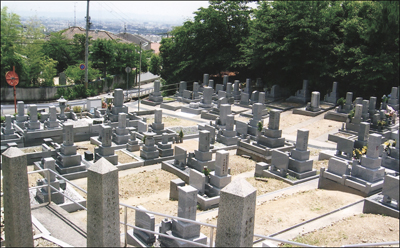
point(212, 227)
point(49, 186)
point(167, 216)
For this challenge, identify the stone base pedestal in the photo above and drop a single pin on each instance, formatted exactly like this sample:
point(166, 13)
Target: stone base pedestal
point(367, 174)
point(111, 158)
point(120, 139)
point(300, 166)
point(270, 142)
point(302, 175)
point(218, 181)
point(166, 242)
point(228, 141)
point(200, 164)
point(149, 152)
point(132, 148)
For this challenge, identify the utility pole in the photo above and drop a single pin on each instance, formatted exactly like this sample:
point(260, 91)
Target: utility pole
point(75, 14)
point(140, 69)
point(87, 46)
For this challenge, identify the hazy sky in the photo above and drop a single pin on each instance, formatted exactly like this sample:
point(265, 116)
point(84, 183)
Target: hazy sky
point(126, 11)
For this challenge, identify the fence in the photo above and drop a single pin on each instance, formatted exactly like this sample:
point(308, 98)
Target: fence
point(212, 227)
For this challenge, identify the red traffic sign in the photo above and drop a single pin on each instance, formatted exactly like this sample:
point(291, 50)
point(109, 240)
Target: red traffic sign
point(12, 77)
point(82, 66)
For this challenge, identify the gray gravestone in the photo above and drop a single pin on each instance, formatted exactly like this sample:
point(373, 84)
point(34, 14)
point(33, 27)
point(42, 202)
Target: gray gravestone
point(225, 110)
point(182, 87)
point(244, 98)
point(221, 163)
point(374, 141)
point(196, 90)
point(53, 113)
point(17, 208)
point(372, 105)
point(33, 113)
point(21, 108)
point(280, 160)
point(218, 88)
point(197, 180)
point(257, 111)
point(274, 118)
point(146, 221)
point(187, 202)
point(180, 156)
point(221, 94)
point(248, 86)
point(357, 114)
point(207, 96)
point(237, 206)
point(118, 97)
point(102, 205)
point(302, 139)
point(205, 79)
point(68, 134)
point(225, 80)
point(211, 83)
point(62, 79)
point(338, 166)
point(106, 135)
point(204, 141)
point(230, 121)
point(363, 131)
point(261, 97)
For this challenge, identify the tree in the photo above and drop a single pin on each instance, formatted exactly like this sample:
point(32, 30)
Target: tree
point(126, 55)
point(291, 41)
point(59, 49)
point(369, 50)
point(155, 64)
point(77, 76)
point(11, 32)
point(208, 44)
point(40, 69)
point(79, 43)
point(103, 54)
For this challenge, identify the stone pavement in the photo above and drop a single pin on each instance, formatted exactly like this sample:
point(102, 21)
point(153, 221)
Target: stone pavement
point(60, 224)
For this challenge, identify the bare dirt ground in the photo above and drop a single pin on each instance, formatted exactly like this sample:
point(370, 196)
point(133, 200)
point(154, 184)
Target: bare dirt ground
point(354, 230)
point(150, 188)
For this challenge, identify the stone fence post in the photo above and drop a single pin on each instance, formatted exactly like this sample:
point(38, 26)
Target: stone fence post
point(16, 200)
point(237, 208)
point(103, 205)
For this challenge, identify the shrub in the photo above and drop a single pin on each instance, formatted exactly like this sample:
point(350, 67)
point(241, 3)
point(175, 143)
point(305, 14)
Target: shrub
point(206, 172)
point(259, 126)
point(351, 114)
point(77, 109)
point(3, 119)
point(181, 134)
point(341, 101)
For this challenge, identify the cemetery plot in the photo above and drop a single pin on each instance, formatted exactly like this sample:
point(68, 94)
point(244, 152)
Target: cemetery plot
point(320, 127)
point(285, 105)
point(124, 158)
point(172, 121)
point(288, 210)
point(357, 229)
point(289, 119)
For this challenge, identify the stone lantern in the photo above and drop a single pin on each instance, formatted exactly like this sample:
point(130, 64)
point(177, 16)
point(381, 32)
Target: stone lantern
point(63, 103)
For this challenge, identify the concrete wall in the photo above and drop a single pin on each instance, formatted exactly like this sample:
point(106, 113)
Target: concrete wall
point(34, 94)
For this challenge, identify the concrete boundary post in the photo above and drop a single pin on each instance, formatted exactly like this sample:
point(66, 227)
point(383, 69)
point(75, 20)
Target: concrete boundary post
point(17, 207)
point(103, 205)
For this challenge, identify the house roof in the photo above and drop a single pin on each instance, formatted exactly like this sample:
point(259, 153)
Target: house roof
point(156, 47)
point(95, 34)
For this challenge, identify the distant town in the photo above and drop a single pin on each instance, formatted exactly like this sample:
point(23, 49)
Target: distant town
point(152, 31)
